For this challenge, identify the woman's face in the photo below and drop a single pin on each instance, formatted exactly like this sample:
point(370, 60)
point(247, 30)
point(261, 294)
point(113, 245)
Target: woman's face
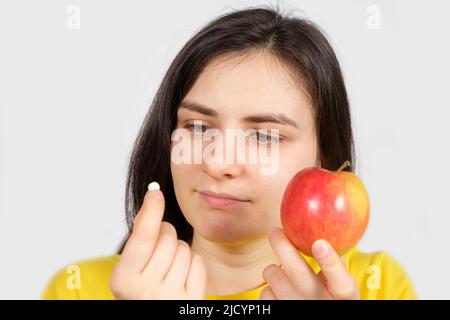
point(238, 91)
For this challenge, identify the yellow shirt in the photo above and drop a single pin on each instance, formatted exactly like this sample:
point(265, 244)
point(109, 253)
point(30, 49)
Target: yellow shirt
point(378, 274)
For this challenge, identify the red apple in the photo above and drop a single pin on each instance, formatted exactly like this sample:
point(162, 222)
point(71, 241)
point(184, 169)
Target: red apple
point(323, 204)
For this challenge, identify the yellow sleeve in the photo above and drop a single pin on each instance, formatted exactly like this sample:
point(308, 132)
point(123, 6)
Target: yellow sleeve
point(84, 280)
point(59, 287)
point(381, 277)
point(395, 280)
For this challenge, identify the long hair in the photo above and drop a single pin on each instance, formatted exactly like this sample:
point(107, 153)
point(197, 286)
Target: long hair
point(294, 41)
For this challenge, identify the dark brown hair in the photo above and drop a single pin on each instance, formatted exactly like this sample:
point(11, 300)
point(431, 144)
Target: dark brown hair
point(296, 42)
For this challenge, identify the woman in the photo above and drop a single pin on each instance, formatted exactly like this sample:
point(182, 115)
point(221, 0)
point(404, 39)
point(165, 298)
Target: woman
point(253, 69)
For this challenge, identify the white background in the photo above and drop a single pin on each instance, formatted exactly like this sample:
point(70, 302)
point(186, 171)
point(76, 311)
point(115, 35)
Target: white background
point(71, 102)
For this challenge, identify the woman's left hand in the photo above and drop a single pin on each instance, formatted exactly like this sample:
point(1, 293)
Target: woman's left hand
point(297, 280)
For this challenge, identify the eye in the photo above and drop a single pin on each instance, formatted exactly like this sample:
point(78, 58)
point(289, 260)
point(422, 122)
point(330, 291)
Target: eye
point(198, 128)
point(266, 139)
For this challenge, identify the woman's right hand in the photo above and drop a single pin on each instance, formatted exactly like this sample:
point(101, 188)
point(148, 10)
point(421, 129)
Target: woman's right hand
point(154, 264)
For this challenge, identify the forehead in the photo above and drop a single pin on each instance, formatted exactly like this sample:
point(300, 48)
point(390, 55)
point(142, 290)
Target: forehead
point(239, 85)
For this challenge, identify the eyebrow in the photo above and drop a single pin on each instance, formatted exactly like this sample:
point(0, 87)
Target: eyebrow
point(279, 118)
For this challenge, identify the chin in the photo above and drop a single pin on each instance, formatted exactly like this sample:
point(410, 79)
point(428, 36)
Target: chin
point(220, 230)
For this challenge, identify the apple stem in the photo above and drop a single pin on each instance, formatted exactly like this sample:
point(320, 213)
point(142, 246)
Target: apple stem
point(344, 165)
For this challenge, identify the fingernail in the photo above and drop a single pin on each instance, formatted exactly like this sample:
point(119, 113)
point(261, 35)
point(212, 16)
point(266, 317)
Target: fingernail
point(320, 248)
point(155, 191)
point(267, 272)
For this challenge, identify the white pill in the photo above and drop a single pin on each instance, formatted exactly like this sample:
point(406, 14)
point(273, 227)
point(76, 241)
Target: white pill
point(153, 186)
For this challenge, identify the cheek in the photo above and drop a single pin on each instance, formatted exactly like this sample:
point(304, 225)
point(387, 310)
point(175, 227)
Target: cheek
point(183, 177)
point(270, 188)
point(298, 156)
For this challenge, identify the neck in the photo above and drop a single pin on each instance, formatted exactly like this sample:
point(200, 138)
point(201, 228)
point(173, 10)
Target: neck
point(234, 268)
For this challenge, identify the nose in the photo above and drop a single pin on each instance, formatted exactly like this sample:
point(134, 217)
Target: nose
point(226, 164)
point(223, 170)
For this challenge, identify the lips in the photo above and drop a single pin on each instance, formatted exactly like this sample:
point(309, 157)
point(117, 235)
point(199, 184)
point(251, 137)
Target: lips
point(222, 200)
point(222, 195)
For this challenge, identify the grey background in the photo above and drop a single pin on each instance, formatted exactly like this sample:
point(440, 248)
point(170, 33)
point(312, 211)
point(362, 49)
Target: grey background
point(71, 102)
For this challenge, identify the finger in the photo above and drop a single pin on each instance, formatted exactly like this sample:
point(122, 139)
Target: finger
point(164, 253)
point(339, 281)
point(140, 245)
point(267, 294)
point(322, 278)
point(280, 284)
point(178, 272)
point(295, 266)
point(196, 281)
